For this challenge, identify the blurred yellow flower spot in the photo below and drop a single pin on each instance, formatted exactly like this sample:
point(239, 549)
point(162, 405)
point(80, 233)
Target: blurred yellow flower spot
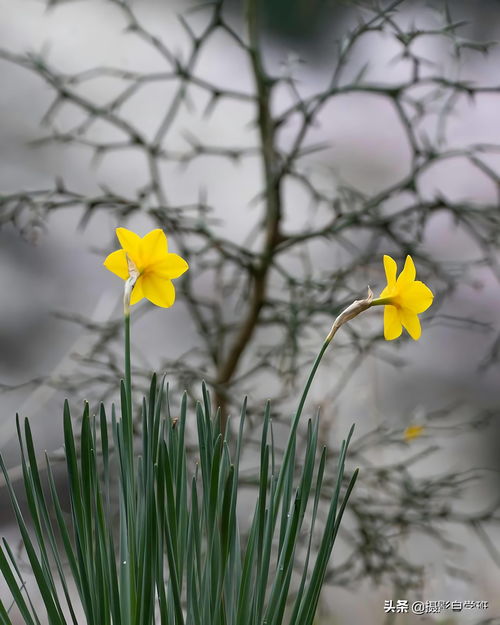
point(413, 431)
point(404, 298)
point(147, 258)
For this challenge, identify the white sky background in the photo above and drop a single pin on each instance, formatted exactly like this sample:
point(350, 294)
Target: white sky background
point(63, 271)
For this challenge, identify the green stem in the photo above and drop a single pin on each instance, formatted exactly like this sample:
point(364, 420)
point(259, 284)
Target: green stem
point(127, 292)
point(310, 379)
point(128, 423)
point(128, 374)
point(382, 301)
point(353, 310)
point(295, 423)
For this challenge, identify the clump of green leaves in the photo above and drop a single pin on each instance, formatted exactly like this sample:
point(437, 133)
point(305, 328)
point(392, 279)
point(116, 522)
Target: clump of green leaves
point(176, 555)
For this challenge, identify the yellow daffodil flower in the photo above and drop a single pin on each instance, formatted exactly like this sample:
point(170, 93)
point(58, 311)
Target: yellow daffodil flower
point(147, 259)
point(404, 299)
point(413, 431)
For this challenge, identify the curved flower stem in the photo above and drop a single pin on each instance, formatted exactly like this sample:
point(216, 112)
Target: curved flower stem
point(295, 423)
point(353, 310)
point(382, 301)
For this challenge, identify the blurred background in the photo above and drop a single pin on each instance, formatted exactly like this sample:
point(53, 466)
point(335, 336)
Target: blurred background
point(380, 134)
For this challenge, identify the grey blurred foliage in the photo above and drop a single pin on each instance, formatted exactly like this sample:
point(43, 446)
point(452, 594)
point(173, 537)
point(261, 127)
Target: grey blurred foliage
point(260, 305)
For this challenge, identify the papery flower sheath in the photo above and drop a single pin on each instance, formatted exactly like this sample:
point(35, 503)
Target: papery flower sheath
point(404, 298)
point(147, 258)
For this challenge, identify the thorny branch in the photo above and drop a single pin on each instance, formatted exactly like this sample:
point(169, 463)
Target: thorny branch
point(254, 285)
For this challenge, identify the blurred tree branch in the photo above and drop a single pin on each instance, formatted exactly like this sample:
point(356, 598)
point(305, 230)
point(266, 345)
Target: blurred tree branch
point(269, 280)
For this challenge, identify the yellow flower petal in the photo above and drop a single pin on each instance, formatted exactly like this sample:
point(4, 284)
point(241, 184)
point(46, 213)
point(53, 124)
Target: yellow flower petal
point(404, 298)
point(387, 292)
point(417, 297)
point(137, 292)
point(131, 243)
point(154, 245)
point(407, 276)
point(390, 272)
point(413, 431)
point(411, 323)
point(158, 290)
point(392, 323)
point(170, 267)
point(117, 263)
point(149, 260)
